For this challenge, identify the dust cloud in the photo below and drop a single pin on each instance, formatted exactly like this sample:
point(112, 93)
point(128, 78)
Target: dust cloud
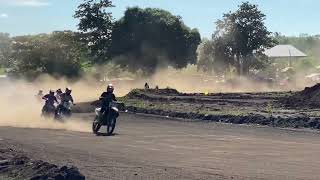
point(20, 108)
point(190, 81)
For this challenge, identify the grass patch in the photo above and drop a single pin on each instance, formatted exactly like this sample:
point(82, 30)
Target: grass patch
point(223, 112)
point(2, 71)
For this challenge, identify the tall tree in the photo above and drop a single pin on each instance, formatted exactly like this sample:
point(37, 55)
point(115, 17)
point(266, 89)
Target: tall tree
point(148, 38)
point(242, 36)
point(96, 26)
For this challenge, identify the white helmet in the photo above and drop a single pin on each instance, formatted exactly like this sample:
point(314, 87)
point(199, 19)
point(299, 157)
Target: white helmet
point(110, 88)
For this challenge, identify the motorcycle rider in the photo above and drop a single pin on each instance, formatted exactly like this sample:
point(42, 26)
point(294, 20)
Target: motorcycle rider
point(39, 95)
point(50, 100)
point(106, 98)
point(58, 94)
point(65, 97)
point(146, 86)
point(104, 115)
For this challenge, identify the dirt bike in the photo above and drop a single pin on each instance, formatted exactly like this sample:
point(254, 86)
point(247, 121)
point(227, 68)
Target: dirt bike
point(108, 118)
point(64, 110)
point(48, 111)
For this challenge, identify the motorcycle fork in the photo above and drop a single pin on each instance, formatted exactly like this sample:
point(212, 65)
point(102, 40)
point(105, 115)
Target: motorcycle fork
point(108, 118)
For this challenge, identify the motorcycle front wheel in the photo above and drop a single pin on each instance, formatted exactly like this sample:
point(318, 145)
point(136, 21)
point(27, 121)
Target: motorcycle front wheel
point(96, 125)
point(111, 125)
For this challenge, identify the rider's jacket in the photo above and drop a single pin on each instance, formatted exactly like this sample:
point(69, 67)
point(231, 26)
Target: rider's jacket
point(106, 98)
point(66, 98)
point(50, 99)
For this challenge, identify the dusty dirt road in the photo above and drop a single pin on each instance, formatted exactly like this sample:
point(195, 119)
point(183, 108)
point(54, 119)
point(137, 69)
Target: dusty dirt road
point(158, 148)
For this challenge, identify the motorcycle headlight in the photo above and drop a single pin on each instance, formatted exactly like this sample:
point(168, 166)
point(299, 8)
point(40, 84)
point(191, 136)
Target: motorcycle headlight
point(115, 109)
point(97, 110)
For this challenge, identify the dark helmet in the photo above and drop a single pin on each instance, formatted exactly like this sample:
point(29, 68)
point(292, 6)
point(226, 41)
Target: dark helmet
point(51, 92)
point(68, 90)
point(59, 91)
point(110, 88)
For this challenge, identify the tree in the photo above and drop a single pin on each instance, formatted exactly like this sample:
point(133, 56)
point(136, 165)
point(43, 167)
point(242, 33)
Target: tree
point(211, 59)
point(5, 50)
point(148, 38)
point(205, 56)
point(241, 37)
point(57, 54)
point(309, 45)
point(96, 27)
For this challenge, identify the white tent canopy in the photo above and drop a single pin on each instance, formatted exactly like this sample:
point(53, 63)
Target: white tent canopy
point(284, 51)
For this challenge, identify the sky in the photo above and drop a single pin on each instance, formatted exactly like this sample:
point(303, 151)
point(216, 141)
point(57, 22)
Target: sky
point(289, 17)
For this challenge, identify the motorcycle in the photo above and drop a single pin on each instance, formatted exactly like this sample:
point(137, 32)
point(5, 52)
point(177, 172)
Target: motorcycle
point(48, 111)
point(64, 111)
point(108, 118)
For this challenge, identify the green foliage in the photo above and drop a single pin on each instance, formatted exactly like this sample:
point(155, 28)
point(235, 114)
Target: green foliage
point(5, 50)
point(57, 54)
point(205, 56)
point(2, 71)
point(270, 109)
point(307, 44)
point(96, 27)
point(147, 38)
point(209, 60)
point(240, 38)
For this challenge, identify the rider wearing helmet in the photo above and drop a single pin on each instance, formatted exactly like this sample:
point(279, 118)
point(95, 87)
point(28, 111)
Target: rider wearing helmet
point(50, 100)
point(65, 97)
point(146, 86)
point(107, 97)
point(58, 94)
point(39, 95)
point(59, 91)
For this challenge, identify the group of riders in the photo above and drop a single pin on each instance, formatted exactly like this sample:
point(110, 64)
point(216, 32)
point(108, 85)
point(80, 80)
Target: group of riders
point(61, 98)
point(53, 97)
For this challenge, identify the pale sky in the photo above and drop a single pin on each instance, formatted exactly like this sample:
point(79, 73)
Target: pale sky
point(290, 17)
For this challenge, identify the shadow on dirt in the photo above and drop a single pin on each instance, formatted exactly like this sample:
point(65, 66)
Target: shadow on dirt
point(106, 134)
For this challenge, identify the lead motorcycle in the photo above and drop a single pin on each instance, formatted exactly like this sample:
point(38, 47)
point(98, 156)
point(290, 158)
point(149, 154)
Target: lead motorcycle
point(106, 119)
point(65, 111)
point(48, 111)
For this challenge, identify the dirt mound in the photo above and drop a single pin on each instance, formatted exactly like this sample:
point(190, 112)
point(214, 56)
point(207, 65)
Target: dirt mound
point(166, 91)
point(309, 97)
point(313, 91)
point(142, 93)
point(14, 165)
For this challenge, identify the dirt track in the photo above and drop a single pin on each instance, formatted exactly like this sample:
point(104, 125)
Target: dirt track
point(159, 148)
